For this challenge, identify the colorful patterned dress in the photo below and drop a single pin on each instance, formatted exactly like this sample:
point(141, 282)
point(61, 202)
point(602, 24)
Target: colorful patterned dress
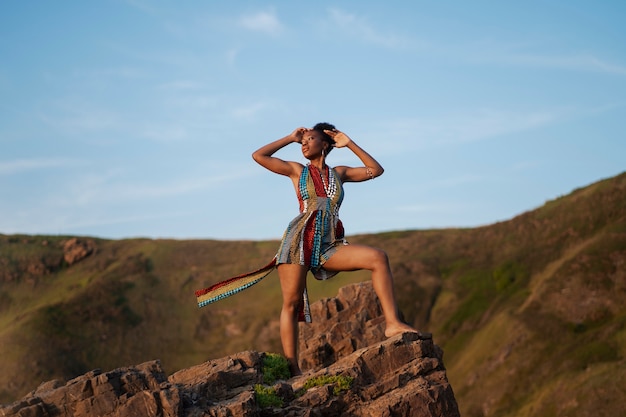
point(314, 235)
point(310, 239)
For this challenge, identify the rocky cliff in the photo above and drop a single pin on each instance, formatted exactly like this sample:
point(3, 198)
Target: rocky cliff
point(349, 370)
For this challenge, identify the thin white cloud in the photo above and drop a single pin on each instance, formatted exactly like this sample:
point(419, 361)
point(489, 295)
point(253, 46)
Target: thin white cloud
point(579, 62)
point(109, 197)
point(360, 28)
point(455, 181)
point(489, 123)
point(181, 85)
point(42, 220)
point(525, 165)
point(264, 22)
point(102, 189)
point(144, 6)
point(164, 133)
point(183, 99)
point(121, 72)
point(529, 54)
point(231, 56)
point(463, 127)
point(428, 185)
point(33, 164)
point(193, 100)
point(76, 115)
point(87, 221)
point(250, 111)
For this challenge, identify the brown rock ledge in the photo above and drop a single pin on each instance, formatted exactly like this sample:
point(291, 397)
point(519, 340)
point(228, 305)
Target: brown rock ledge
point(402, 376)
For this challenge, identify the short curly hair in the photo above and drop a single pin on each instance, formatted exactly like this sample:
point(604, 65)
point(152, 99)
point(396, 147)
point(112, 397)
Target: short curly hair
point(320, 127)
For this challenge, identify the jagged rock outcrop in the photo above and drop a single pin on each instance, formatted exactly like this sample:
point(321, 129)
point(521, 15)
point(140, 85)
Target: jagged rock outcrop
point(341, 325)
point(76, 249)
point(401, 376)
point(138, 391)
point(33, 258)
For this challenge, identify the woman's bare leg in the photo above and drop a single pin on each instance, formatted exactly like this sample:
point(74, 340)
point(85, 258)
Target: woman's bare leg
point(355, 257)
point(292, 282)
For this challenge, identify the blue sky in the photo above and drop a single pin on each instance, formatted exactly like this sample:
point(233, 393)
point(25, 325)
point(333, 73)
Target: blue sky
point(138, 118)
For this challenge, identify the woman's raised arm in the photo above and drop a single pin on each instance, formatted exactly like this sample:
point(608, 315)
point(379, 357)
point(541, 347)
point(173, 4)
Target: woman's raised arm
point(371, 168)
point(264, 155)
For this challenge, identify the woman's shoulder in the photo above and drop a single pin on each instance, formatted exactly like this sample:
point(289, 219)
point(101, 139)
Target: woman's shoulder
point(297, 168)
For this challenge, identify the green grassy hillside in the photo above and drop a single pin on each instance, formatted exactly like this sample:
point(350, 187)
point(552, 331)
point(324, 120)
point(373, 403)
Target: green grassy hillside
point(530, 312)
point(130, 301)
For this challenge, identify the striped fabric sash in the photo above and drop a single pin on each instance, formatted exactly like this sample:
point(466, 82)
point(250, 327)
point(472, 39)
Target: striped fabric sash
point(239, 283)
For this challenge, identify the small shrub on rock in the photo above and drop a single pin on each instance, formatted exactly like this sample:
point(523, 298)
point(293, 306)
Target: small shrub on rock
point(275, 367)
point(267, 396)
point(341, 383)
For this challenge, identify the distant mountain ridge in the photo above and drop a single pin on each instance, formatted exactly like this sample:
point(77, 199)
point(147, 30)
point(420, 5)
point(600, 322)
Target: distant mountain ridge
point(529, 311)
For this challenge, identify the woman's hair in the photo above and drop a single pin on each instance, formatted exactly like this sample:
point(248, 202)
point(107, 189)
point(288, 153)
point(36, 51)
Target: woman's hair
point(320, 127)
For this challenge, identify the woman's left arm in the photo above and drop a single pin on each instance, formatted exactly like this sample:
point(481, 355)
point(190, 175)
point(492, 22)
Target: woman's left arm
point(371, 168)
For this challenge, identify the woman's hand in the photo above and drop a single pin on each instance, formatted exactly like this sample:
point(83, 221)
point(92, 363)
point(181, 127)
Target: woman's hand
point(298, 134)
point(340, 138)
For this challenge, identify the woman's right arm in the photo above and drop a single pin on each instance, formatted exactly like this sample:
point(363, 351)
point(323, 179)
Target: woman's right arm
point(263, 155)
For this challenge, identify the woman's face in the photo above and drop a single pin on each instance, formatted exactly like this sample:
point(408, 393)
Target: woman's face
point(312, 144)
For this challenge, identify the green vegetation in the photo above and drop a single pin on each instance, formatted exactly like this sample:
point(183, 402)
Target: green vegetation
point(596, 351)
point(267, 397)
point(341, 383)
point(275, 367)
point(508, 274)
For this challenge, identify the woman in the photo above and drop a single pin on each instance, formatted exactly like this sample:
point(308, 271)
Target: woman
point(314, 239)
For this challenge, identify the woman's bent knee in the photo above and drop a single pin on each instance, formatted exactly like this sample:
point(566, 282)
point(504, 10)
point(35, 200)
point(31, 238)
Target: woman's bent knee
point(380, 257)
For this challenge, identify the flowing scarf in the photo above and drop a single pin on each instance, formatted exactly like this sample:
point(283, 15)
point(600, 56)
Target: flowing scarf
point(239, 283)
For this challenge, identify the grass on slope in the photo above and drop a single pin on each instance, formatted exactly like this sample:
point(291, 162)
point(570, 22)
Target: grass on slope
point(506, 350)
point(133, 301)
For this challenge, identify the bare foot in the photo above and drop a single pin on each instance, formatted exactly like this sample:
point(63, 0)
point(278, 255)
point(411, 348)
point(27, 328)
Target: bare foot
point(399, 328)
